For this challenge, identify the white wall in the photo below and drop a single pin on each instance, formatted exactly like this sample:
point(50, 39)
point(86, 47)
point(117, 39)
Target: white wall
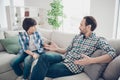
point(3, 17)
point(103, 11)
point(3, 21)
point(38, 3)
point(45, 4)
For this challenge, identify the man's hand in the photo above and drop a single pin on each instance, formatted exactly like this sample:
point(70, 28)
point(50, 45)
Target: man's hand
point(35, 56)
point(84, 61)
point(51, 47)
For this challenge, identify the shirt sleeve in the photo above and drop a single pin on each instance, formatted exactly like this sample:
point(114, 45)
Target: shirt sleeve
point(103, 45)
point(39, 42)
point(21, 41)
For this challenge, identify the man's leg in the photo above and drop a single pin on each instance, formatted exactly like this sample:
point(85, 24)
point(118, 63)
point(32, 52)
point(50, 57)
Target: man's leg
point(58, 70)
point(27, 66)
point(15, 63)
point(45, 60)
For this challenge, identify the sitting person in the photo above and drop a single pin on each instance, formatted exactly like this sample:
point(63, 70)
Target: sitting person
point(75, 56)
point(31, 48)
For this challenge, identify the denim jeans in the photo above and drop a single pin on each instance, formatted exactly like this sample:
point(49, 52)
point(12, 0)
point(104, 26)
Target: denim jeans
point(49, 65)
point(17, 67)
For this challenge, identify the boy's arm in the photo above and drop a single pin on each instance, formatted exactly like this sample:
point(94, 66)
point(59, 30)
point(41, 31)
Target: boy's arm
point(21, 42)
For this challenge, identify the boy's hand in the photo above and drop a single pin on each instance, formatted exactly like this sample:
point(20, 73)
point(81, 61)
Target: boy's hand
point(35, 56)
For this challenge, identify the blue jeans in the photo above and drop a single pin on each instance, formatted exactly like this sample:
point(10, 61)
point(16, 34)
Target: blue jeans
point(49, 65)
point(17, 67)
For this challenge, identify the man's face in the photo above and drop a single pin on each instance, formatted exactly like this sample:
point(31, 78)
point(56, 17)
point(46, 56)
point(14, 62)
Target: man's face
point(31, 30)
point(82, 26)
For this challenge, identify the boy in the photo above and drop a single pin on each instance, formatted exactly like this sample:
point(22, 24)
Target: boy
point(31, 48)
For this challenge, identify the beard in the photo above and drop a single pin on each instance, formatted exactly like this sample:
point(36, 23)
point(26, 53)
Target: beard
point(81, 33)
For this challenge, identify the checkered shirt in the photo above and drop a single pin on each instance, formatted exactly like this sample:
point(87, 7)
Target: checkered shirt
point(87, 46)
point(24, 41)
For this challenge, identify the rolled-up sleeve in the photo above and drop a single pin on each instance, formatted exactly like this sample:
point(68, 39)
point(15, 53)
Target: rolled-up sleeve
point(103, 45)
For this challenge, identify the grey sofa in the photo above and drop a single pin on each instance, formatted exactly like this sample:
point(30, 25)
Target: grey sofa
point(109, 71)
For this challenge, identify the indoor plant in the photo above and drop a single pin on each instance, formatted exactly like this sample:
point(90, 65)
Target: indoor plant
point(55, 15)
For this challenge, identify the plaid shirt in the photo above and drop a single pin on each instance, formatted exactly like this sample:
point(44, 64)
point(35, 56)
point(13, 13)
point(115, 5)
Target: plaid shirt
point(87, 46)
point(24, 41)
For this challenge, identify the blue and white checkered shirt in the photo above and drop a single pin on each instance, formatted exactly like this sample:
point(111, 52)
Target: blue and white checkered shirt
point(24, 41)
point(87, 46)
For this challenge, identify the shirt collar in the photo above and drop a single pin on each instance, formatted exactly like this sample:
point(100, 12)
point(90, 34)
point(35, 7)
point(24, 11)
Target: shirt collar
point(91, 36)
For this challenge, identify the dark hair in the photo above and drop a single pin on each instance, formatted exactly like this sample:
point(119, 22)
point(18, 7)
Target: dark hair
point(91, 21)
point(28, 22)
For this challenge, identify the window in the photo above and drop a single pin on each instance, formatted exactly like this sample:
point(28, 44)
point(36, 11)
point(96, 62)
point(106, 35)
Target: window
point(117, 20)
point(74, 11)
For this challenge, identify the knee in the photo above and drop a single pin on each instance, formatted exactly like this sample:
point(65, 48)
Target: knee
point(28, 60)
point(43, 57)
point(13, 62)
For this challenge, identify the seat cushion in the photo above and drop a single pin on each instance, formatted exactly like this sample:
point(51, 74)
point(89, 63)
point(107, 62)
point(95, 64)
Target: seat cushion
point(5, 59)
point(81, 76)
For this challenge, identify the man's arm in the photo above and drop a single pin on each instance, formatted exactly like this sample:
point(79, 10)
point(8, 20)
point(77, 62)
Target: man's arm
point(60, 50)
point(88, 60)
point(103, 45)
point(54, 47)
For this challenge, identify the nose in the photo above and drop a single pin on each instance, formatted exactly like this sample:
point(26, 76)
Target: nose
point(79, 27)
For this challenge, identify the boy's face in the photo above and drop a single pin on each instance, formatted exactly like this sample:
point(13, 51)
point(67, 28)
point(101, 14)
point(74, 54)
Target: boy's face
point(31, 30)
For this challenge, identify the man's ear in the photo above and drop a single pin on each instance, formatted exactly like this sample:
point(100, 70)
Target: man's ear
point(89, 26)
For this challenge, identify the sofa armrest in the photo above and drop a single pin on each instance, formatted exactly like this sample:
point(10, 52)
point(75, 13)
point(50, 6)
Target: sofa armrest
point(112, 71)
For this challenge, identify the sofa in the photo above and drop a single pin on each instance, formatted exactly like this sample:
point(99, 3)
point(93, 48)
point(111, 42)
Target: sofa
point(110, 71)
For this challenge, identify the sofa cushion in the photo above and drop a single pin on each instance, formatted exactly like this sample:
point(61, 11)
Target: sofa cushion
point(5, 59)
point(2, 35)
point(1, 48)
point(63, 40)
point(112, 71)
point(94, 71)
point(8, 75)
point(45, 40)
point(81, 76)
point(115, 44)
point(11, 33)
point(11, 44)
point(45, 33)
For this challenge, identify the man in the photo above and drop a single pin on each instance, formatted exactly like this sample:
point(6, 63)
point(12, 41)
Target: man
point(75, 56)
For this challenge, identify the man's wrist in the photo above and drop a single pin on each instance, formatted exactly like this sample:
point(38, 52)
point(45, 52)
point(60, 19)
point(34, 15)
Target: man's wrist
point(92, 60)
point(58, 49)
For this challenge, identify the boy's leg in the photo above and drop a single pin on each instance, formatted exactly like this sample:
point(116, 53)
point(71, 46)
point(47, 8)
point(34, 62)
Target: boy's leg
point(27, 66)
point(15, 63)
point(43, 64)
point(58, 70)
